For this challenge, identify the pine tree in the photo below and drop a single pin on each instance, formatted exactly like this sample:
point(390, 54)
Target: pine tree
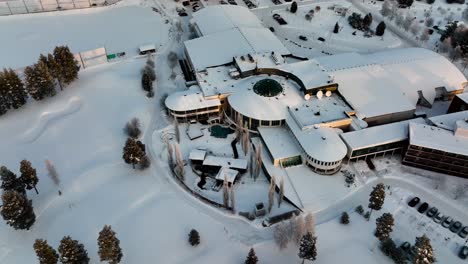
point(28, 175)
point(109, 246)
point(384, 226)
point(72, 252)
point(68, 65)
point(4, 102)
point(367, 21)
point(54, 69)
point(146, 82)
point(10, 182)
point(308, 248)
point(180, 167)
point(17, 210)
point(380, 29)
point(45, 81)
point(132, 128)
point(337, 28)
point(132, 152)
point(45, 253)
point(251, 257)
point(31, 78)
point(377, 197)
point(16, 94)
point(293, 7)
point(423, 252)
point(194, 237)
point(344, 218)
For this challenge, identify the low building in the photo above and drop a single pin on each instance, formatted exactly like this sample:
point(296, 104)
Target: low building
point(379, 140)
point(438, 149)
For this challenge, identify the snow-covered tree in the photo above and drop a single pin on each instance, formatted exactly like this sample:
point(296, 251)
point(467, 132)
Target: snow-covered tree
point(170, 154)
point(15, 93)
point(245, 140)
point(271, 193)
point(194, 238)
point(258, 161)
point(308, 248)
point(54, 69)
point(4, 102)
point(293, 8)
point(407, 22)
point(232, 197)
point(344, 218)
point(384, 226)
point(225, 192)
point(17, 210)
point(28, 175)
point(146, 82)
point(72, 252)
point(299, 229)
point(10, 182)
point(132, 128)
point(172, 60)
point(415, 28)
point(45, 253)
point(377, 197)
point(68, 65)
point(133, 152)
point(423, 252)
point(424, 36)
point(281, 191)
point(281, 235)
point(399, 19)
point(386, 9)
point(179, 168)
point(380, 29)
point(429, 22)
point(52, 172)
point(251, 257)
point(150, 61)
point(109, 246)
point(177, 130)
point(310, 223)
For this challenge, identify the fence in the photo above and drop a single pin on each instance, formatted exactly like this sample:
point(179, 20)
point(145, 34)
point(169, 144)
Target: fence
point(13, 7)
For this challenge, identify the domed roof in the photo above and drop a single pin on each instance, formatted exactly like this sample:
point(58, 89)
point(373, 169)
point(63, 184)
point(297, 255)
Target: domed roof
point(267, 87)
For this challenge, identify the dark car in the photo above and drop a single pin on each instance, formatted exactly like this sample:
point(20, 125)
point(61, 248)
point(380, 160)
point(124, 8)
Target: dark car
point(185, 3)
point(433, 211)
point(464, 232)
point(321, 39)
point(413, 202)
point(304, 38)
point(456, 227)
point(272, 29)
point(463, 252)
point(438, 218)
point(447, 222)
point(423, 207)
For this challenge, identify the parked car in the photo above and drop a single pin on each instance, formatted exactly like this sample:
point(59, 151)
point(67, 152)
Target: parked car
point(272, 29)
point(414, 202)
point(304, 38)
point(423, 207)
point(185, 3)
point(438, 218)
point(433, 211)
point(464, 232)
point(447, 222)
point(463, 254)
point(279, 19)
point(456, 227)
point(321, 39)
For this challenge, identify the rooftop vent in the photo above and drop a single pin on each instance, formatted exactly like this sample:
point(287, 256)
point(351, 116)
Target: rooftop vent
point(324, 138)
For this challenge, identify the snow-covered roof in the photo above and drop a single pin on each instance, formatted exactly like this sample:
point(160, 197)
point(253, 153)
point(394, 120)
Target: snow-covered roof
point(216, 18)
point(224, 173)
point(279, 142)
point(189, 100)
point(221, 47)
point(437, 138)
point(379, 135)
point(225, 162)
point(373, 83)
point(309, 72)
point(147, 47)
point(463, 97)
point(197, 154)
point(318, 111)
point(245, 101)
point(320, 143)
point(448, 121)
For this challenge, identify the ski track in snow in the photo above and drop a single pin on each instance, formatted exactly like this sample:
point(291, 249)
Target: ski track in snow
point(46, 118)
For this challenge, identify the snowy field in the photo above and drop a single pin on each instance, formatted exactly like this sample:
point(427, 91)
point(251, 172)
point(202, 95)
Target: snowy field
point(322, 25)
point(87, 29)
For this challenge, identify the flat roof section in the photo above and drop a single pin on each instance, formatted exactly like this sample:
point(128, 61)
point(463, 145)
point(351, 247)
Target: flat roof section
point(225, 162)
point(280, 142)
point(379, 135)
point(189, 100)
point(448, 121)
point(437, 138)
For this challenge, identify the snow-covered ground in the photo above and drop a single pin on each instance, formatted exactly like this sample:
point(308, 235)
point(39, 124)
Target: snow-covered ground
point(27, 36)
point(80, 131)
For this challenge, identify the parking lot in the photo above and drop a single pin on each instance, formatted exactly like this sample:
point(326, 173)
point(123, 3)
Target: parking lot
point(409, 221)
